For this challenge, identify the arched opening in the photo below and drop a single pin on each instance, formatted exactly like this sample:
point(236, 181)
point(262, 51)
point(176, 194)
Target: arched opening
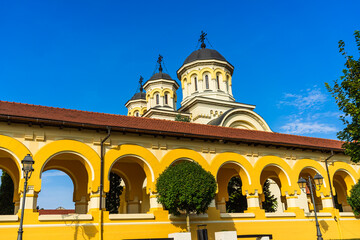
point(157, 98)
point(231, 196)
point(196, 83)
point(136, 114)
point(227, 84)
point(272, 200)
point(166, 100)
point(207, 86)
point(342, 182)
point(218, 82)
point(7, 206)
point(77, 169)
point(131, 195)
point(57, 193)
point(9, 184)
point(237, 202)
point(305, 200)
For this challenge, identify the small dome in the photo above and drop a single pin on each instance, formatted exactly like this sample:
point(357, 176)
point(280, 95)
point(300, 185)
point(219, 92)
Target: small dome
point(139, 95)
point(204, 54)
point(161, 75)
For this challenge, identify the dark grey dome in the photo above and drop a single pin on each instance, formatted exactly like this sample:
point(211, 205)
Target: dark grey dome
point(161, 75)
point(139, 95)
point(204, 54)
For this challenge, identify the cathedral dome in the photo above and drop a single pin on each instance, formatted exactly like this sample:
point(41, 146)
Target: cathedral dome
point(204, 54)
point(139, 95)
point(161, 75)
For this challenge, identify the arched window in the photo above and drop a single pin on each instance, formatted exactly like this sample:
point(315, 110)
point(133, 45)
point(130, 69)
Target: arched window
point(166, 98)
point(217, 82)
point(227, 83)
point(206, 81)
point(157, 99)
point(136, 114)
point(195, 80)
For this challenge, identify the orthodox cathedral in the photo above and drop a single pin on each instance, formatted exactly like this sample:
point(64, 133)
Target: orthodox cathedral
point(310, 178)
point(206, 84)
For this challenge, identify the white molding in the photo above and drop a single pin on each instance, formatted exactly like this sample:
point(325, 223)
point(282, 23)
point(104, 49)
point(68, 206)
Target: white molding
point(192, 216)
point(65, 217)
point(9, 218)
point(283, 214)
point(347, 214)
point(319, 214)
point(237, 215)
point(128, 216)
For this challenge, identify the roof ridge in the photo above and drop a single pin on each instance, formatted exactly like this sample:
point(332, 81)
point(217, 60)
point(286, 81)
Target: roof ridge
point(59, 108)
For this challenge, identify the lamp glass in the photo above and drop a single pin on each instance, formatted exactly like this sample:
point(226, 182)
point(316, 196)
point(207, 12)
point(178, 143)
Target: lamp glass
point(302, 183)
point(318, 179)
point(27, 163)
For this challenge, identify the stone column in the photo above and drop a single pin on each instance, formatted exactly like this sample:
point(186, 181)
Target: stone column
point(327, 202)
point(292, 201)
point(16, 207)
point(253, 201)
point(30, 200)
point(221, 205)
point(81, 206)
point(154, 205)
point(95, 201)
point(133, 206)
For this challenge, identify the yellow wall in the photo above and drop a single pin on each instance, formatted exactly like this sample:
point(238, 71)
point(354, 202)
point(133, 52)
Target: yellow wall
point(136, 157)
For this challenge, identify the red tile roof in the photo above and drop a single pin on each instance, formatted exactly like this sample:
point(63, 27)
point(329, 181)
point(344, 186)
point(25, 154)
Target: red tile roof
point(11, 110)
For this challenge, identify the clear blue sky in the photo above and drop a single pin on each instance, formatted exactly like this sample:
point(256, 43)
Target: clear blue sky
point(88, 55)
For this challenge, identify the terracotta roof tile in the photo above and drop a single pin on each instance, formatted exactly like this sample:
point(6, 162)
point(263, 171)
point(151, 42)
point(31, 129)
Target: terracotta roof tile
point(156, 125)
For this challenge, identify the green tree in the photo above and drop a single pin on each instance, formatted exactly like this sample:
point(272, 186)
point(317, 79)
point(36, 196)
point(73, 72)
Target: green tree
point(180, 118)
point(354, 198)
point(347, 96)
point(186, 187)
point(270, 203)
point(6, 195)
point(113, 196)
point(237, 201)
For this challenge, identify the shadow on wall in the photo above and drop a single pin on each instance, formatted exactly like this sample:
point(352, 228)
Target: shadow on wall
point(83, 232)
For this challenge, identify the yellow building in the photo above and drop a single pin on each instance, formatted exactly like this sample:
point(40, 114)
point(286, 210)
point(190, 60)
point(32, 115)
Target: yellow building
point(225, 137)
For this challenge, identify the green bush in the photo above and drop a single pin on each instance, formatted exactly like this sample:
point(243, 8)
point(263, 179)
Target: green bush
point(186, 187)
point(354, 199)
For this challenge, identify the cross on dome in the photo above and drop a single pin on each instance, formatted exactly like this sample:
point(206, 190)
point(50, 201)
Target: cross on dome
point(159, 61)
point(202, 39)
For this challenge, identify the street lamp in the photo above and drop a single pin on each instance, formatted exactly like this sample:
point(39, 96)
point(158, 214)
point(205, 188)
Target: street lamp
point(27, 169)
point(318, 179)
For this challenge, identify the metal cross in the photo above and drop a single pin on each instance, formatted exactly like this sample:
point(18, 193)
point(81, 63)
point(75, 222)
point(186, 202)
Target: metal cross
point(140, 82)
point(159, 61)
point(202, 39)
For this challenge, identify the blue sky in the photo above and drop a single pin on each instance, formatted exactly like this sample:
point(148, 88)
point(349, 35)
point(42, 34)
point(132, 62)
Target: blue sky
point(88, 55)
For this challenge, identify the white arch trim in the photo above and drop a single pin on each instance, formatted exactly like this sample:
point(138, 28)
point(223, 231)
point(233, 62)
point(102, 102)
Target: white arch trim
point(344, 170)
point(136, 156)
point(286, 174)
point(324, 182)
point(16, 158)
point(242, 167)
point(75, 153)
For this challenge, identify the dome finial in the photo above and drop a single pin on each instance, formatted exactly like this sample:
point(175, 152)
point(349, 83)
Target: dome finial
point(202, 39)
point(159, 62)
point(140, 82)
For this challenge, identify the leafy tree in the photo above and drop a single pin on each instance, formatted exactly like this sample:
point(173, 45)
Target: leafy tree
point(354, 198)
point(347, 96)
point(180, 118)
point(237, 202)
point(270, 203)
point(6, 195)
point(113, 196)
point(186, 187)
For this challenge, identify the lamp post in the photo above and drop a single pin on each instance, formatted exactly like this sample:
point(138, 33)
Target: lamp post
point(318, 182)
point(27, 169)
